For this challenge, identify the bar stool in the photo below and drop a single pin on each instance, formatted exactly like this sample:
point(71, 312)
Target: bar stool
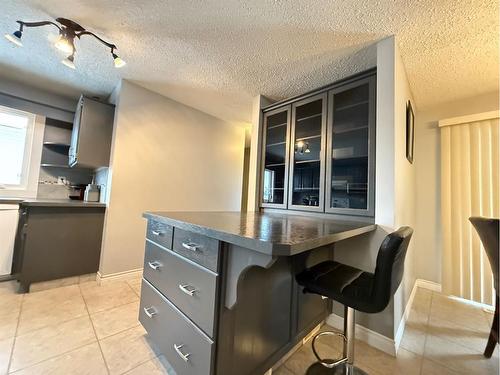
point(356, 290)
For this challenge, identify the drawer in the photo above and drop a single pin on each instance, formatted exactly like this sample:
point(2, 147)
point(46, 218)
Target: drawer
point(197, 247)
point(190, 287)
point(160, 233)
point(188, 350)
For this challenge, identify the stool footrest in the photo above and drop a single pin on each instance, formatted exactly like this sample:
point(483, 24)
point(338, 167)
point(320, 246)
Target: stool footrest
point(330, 364)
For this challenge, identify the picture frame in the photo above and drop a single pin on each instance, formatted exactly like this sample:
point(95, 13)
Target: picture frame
point(410, 132)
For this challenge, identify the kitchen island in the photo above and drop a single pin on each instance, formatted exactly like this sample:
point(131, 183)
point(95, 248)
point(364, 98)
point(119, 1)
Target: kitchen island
point(219, 293)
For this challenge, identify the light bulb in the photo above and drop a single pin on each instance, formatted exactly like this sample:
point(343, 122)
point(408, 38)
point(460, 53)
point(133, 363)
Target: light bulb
point(15, 38)
point(64, 45)
point(69, 62)
point(119, 62)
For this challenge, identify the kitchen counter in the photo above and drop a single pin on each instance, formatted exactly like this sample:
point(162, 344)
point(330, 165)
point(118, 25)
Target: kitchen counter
point(274, 234)
point(50, 202)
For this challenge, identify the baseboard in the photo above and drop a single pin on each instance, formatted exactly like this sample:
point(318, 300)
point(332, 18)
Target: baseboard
point(402, 324)
point(430, 285)
point(364, 334)
point(125, 275)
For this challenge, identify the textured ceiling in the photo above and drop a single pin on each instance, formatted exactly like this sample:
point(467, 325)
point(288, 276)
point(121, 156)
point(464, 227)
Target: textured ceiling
point(216, 55)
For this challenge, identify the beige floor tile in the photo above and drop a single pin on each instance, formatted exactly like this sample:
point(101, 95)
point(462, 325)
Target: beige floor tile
point(8, 287)
point(108, 295)
point(283, 370)
point(422, 300)
point(459, 358)
point(87, 278)
point(8, 324)
point(126, 350)
point(48, 307)
point(414, 338)
point(109, 322)
point(135, 284)
point(10, 303)
point(459, 313)
point(86, 360)
point(155, 366)
point(52, 284)
point(51, 341)
point(376, 362)
point(433, 368)
point(5, 351)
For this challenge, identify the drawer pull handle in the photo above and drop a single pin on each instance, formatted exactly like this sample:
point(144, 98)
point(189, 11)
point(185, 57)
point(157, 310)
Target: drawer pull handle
point(150, 311)
point(188, 289)
point(185, 357)
point(190, 246)
point(157, 233)
point(155, 265)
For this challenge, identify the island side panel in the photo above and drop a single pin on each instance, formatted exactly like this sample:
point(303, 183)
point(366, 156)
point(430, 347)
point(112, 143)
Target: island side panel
point(271, 313)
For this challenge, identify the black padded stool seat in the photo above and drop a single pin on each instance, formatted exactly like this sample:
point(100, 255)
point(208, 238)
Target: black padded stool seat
point(363, 291)
point(356, 290)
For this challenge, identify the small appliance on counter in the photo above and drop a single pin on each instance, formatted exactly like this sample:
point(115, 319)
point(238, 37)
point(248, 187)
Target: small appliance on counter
point(76, 192)
point(92, 192)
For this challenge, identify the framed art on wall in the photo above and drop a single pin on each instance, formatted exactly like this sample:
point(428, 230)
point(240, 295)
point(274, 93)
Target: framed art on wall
point(410, 132)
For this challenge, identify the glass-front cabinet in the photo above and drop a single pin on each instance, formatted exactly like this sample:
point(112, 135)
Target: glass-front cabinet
point(350, 152)
point(307, 161)
point(275, 152)
point(319, 150)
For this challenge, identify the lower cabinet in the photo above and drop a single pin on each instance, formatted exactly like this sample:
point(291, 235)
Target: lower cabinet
point(185, 346)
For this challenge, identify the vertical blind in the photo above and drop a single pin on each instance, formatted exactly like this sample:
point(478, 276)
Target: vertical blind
point(469, 187)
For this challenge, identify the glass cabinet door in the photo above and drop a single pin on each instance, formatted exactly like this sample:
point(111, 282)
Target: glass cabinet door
point(350, 152)
point(275, 155)
point(306, 154)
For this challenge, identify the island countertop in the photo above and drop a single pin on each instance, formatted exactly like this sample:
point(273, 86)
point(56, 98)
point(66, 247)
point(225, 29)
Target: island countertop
point(270, 233)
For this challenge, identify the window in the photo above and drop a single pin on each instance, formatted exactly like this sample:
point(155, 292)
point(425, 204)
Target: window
point(16, 140)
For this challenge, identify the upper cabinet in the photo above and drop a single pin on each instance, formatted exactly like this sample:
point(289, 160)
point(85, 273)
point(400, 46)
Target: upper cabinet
point(319, 150)
point(307, 160)
point(350, 176)
point(92, 133)
point(275, 153)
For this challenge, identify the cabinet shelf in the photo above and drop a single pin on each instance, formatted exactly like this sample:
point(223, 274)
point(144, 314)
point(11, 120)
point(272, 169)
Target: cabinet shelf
point(49, 165)
point(275, 144)
point(275, 165)
point(277, 126)
point(56, 144)
point(307, 161)
point(309, 117)
point(350, 130)
point(308, 138)
point(306, 189)
point(348, 106)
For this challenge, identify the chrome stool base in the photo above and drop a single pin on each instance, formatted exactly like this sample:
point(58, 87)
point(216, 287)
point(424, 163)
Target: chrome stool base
point(342, 369)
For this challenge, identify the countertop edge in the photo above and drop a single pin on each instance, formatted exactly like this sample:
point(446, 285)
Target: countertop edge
point(259, 245)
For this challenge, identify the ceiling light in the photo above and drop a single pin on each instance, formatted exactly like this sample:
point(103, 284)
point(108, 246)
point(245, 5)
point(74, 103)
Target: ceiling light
point(68, 31)
point(64, 44)
point(69, 61)
point(15, 38)
point(119, 62)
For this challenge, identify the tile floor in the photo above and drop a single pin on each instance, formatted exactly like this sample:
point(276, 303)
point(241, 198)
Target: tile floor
point(93, 329)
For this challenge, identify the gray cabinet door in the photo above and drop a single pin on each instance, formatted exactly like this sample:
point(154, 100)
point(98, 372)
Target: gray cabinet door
point(275, 153)
point(350, 156)
point(307, 156)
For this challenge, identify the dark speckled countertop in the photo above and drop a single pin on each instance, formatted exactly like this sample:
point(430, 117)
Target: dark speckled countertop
point(269, 233)
point(51, 202)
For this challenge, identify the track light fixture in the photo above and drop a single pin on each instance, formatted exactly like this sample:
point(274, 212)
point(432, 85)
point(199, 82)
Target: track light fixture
point(68, 31)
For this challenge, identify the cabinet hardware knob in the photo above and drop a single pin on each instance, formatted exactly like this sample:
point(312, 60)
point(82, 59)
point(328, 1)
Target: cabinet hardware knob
point(185, 357)
point(157, 233)
point(188, 289)
point(190, 246)
point(155, 265)
point(150, 311)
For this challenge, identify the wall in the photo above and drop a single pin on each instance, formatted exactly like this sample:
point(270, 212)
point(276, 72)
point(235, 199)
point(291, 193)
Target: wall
point(165, 156)
point(428, 179)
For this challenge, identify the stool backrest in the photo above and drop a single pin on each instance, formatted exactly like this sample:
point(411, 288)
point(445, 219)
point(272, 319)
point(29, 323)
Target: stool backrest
point(390, 265)
point(487, 229)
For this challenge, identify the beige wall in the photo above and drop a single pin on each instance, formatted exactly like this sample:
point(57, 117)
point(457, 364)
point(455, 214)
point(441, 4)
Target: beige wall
point(165, 156)
point(427, 162)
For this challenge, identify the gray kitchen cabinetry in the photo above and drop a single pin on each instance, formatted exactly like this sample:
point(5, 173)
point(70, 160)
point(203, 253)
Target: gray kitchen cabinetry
point(55, 242)
point(318, 151)
point(92, 133)
point(228, 303)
